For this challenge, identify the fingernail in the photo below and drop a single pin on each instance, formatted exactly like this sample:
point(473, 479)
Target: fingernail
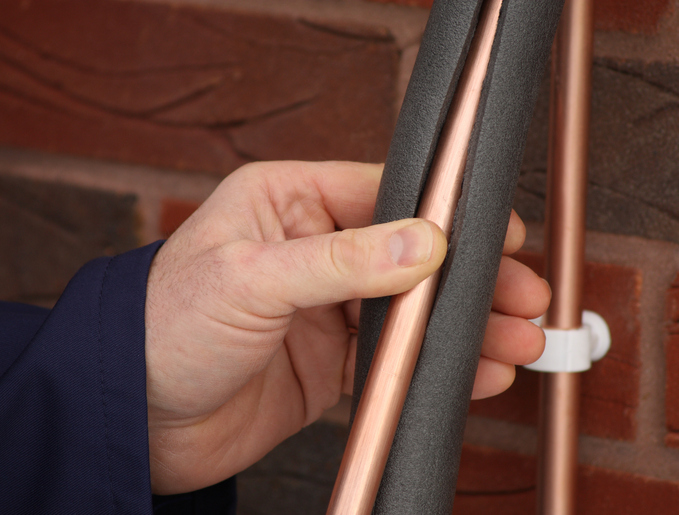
point(411, 245)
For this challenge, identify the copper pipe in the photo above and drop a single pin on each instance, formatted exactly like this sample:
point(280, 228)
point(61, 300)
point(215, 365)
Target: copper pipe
point(398, 347)
point(565, 250)
point(559, 417)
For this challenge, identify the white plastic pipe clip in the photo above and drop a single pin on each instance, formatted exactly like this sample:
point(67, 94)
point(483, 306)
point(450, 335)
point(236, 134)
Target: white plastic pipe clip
point(574, 350)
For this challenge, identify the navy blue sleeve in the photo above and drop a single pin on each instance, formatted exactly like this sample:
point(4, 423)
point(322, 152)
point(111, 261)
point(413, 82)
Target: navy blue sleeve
point(18, 325)
point(73, 422)
point(73, 414)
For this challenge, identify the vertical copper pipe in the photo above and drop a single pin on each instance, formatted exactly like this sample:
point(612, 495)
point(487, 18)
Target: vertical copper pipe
point(403, 330)
point(565, 243)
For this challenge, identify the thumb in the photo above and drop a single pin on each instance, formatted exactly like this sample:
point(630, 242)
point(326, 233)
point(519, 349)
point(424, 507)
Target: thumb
point(369, 262)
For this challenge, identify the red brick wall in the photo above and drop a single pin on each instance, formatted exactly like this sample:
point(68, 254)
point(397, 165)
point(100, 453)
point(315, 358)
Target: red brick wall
point(184, 87)
point(672, 366)
point(504, 482)
point(117, 118)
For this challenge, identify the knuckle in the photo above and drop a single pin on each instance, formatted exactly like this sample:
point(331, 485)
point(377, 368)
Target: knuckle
point(237, 261)
point(349, 252)
point(253, 284)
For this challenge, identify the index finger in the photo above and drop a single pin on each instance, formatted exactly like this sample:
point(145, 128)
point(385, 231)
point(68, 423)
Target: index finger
point(349, 191)
point(313, 198)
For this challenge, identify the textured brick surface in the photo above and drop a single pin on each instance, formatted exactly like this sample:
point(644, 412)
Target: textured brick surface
point(630, 15)
point(672, 365)
point(634, 148)
point(672, 388)
point(49, 230)
point(610, 390)
point(494, 482)
point(416, 3)
point(191, 88)
point(173, 213)
point(604, 491)
point(297, 477)
point(502, 483)
point(672, 309)
point(625, 15)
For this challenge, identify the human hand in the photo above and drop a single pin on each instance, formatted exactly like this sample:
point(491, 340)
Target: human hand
point(252, 308)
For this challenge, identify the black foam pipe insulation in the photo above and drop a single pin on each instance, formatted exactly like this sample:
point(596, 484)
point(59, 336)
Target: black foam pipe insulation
point(421, 472)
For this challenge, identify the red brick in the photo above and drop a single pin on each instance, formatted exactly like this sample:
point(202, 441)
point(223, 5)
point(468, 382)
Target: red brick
point(192, 87)
point(672, 365)
point(672, 439)
point(50, 229)
point(610, 393)
point(485, 470)
point(672, 303)
point(672, 384)
point(606, 491)
point(415, 3)
point(173, 213)
point(672, 310)
point(493, 482)
point(630, 15)
point(501, 503)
